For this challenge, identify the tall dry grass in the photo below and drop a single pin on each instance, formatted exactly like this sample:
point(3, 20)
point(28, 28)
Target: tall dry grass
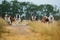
point(3, 25)
point(48, 31)
point(37, 31)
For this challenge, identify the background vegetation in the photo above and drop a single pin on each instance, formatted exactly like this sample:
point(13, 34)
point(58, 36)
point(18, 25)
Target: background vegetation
point(15, 7)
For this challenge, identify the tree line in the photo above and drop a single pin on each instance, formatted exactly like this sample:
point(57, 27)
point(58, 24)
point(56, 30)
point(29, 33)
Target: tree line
point(15, 7)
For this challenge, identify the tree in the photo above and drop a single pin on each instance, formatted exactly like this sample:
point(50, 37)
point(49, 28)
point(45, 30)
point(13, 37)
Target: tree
point(4, 8)
point(47, 9)
point(15, 7)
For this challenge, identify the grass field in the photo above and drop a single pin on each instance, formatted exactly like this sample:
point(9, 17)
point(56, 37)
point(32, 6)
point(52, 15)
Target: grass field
point(48, 31)
point(36, 31)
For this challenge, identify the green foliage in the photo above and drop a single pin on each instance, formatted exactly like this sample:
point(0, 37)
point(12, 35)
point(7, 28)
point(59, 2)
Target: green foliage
point(4, 8)
point(14, 7)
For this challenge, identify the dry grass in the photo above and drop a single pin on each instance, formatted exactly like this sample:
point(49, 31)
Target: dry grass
point(3, 22)
point(36, 31)
point(3, 25)
point(50, 31)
